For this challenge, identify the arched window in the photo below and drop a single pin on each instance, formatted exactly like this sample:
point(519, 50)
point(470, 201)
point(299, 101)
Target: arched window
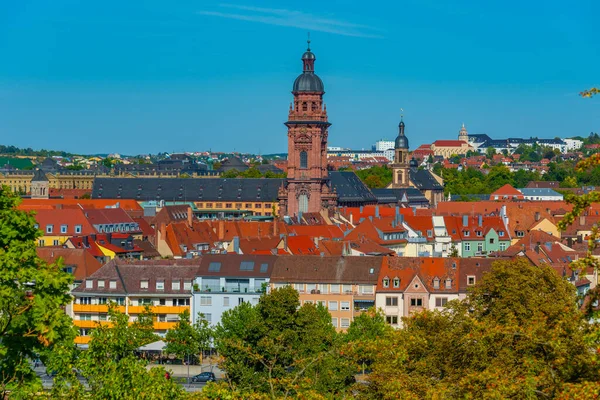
point(386, 282)
point(303, 203)
point(303, 159)
point(305, 106)
point(396, 282)
point(313, 106)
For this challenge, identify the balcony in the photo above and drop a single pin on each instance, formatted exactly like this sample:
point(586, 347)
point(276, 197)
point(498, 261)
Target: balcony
point(82, 339)
point(419, 239)
point(94, 308)
point(229, 289)
point(161, 326)
point(89, 324)
point(159, 309)
point(423, 254)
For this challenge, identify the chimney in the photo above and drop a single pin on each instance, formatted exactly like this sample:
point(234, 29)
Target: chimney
point(285, 246)
point(465, 220)
point(537, 216)
point(275, 227)
point(582, 220)
point(236, 244)
point(221, 230)
point(480, 220)
point(190, 216)
point(376, 211)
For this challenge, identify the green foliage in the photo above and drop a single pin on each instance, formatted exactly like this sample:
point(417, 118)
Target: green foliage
point(188, 339)
point(474, 181)
point(519, 334)
point(281, 349)
point(376, 176)
point(32, 294)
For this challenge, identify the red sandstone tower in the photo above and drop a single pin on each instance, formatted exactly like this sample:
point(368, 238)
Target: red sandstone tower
point(307, 188)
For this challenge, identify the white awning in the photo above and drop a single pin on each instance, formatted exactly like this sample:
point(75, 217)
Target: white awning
point(155, 346)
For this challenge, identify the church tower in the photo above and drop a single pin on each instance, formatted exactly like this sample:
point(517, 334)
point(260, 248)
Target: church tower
point(401, 165)
point(307, 188)
point(463, 135)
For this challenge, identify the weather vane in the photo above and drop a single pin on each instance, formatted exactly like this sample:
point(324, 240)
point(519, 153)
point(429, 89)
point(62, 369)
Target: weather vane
point(308, 41)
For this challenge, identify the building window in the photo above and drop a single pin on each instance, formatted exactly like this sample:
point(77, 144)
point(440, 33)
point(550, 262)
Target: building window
point(100, 284)
point(334, 322)
point(520, 233)
point(334, 288)
point(102, 300)
point(175, 285)
point(502, 246)
point(345, 305)
point(89, 284)
point(208, 318)
point(240, 300)
point(391, 301)
point(466, 233)
point(491, 240)
point(112, 284)
point(63, 229)
point(386, 282)
point(344, 322)
point(441, 301)
point(448, 283)
point(414, 302)
point(396, 282)
point(56, 242)
point(225, 301)
point(333, 306)
point(429, 233)
point(85, 317)
point(205, 301)
point(471, 280)
point(501, 234)
point(257, 205)
point(391, 319)
point(303, 203)
point(303, 159)
point(77, 228)
point(467, 246)
point(299, 287)
point(41, 243)
point(49, 228)
point(144, 284)
point(323, 288)
point(102, 317)
point(436, 283)
point(187, 285)
point(85, 300)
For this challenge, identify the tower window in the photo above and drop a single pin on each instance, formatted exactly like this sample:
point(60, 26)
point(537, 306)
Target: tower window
point(303, 203)
point(303, 159)
point(313, 106)
point(304, 106)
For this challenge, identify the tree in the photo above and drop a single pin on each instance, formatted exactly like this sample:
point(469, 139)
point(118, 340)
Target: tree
point(499, 176)
point(187, 338)
point(453, 251)
point(490, 152)
point(518, 334)
point(280, 349)
point(251, 173)
point(382, 176)
point(590, 92)
point(32, 294)
point(232, 173)
point(111, 367)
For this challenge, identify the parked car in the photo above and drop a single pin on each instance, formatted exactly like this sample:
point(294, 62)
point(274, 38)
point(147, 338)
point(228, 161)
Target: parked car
point(204, 377)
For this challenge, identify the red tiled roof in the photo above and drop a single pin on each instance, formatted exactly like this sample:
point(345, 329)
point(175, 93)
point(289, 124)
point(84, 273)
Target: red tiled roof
point(82, 260)
point(450, 143)
point(508, 191)
point(127, 205)
point(298, 245)
point(68, 217)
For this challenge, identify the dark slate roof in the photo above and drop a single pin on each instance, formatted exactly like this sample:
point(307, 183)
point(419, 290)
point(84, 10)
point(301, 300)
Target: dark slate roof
point(424, 180)
point(39, 176)
point(233, 163)
point(350, 188)
point(186, 189)
point(308, 82)
point(263, 168)
point(231, 265)
point(394, 196)
point(316, 269)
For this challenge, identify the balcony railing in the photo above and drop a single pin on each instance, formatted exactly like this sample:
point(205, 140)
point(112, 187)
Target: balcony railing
point(82, 339)
point(94, 308)
point(89, 323)
point(230, 289)
point(419, 239)
point(159, 309)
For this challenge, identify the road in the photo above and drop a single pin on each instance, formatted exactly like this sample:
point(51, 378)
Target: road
point(48, 381)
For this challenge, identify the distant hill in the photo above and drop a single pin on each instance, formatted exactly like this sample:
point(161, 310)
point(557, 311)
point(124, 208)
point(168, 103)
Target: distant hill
point(19, 163)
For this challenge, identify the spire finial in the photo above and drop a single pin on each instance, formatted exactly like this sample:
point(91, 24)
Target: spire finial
point(308, 42)
point(401, 114)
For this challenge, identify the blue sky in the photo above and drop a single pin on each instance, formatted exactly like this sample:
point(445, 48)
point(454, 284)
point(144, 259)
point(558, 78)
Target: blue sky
point(149, 76)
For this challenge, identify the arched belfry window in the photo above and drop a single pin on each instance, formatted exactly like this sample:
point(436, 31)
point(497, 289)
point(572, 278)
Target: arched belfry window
point(303, 159)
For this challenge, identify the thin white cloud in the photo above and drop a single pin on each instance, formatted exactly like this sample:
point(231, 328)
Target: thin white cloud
point(294, 19)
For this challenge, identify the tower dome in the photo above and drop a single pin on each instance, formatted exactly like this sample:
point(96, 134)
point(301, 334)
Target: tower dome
point(401, 139)
point(308, 81)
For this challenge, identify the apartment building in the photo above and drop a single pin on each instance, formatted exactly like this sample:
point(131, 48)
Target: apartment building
point(344, 285)
point(163, 285)
point(225, 281)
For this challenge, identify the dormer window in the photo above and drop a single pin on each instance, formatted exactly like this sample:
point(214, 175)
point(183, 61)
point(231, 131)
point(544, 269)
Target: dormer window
point(429, 233)
point(436, 283)
point(466, 233)
point(478, 233)
point(396, 282)
point(386, 282)
point(448, 283)
point(501, 233)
